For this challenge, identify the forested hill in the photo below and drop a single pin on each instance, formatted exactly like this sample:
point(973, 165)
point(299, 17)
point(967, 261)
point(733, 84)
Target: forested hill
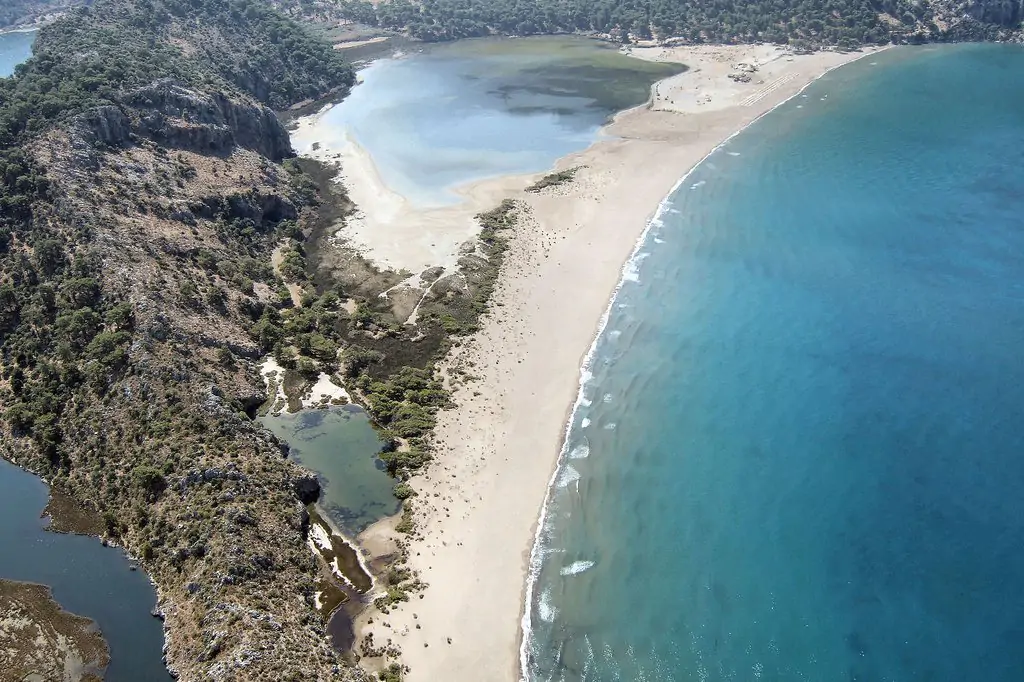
point(144, 183)
point(814, 22)
point(234, 45)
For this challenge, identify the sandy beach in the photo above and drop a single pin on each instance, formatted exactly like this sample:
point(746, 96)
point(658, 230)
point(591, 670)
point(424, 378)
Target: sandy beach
point(480, 500)
point(388, 228)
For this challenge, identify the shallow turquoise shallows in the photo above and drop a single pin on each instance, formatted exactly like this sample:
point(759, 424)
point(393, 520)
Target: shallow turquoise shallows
point(14, 49)
point(801, 454)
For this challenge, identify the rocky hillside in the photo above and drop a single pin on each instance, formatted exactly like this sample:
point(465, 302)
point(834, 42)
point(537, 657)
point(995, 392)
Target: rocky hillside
point(144, 182)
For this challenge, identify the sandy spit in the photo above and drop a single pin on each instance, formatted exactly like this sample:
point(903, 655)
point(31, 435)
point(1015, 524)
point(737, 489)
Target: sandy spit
point(480, 501)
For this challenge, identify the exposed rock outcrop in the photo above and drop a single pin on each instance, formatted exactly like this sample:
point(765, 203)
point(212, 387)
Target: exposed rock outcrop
point(177, 117)
point(307, 489)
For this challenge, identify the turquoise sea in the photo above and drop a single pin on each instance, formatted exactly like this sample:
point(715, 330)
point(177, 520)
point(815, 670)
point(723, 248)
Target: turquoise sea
point(799, 454)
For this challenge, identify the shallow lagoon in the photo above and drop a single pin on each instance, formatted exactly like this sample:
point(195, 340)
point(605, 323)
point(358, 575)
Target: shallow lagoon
point(456, 113)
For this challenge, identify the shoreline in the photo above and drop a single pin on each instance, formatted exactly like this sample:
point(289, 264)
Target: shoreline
point(32, 29)
point(585, 376)
point(482, 502)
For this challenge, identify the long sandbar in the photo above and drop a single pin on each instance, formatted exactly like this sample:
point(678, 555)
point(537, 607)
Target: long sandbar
point(480, 500)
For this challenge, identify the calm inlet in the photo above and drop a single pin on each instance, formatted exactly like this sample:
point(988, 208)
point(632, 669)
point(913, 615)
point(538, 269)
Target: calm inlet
point(15, 47)
point(87, 578)
point(341, 446)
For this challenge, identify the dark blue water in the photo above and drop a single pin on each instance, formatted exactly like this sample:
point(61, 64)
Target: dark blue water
point(15, 48)
point(801, 454)
point(87, 578)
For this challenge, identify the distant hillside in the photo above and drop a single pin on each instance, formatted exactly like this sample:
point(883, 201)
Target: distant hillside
point(18, 12)
point(811, 22)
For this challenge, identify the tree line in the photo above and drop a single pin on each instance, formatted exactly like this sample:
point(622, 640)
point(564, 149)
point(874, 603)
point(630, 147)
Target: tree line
point(811, 23)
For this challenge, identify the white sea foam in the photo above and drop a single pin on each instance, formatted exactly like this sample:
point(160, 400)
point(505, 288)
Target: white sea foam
point(610, 426)
point(576, 567)
point(545, 610)
point(537, 552)
point(607, 398)
point(632, 271)
point(569, 476)
point(581, 451)
point(659, 240)
point(698, 184)
point(615, 333)
point(733, 153)
point(585, 423)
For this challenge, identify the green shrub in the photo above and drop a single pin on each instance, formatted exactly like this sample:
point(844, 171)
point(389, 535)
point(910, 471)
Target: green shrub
point(404, 491)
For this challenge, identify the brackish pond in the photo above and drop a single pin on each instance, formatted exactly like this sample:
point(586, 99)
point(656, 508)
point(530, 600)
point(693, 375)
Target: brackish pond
point(451, 114)
point(341, 446)
point(87, 578)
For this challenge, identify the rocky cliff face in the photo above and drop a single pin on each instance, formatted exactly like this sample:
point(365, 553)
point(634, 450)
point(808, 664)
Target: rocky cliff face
point(1003, 13)
point(177, 117)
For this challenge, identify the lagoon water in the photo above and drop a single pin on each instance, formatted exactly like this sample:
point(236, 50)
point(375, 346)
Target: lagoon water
point(450, 114)
point(801, 452)
point(87, 578)
point(15, 48)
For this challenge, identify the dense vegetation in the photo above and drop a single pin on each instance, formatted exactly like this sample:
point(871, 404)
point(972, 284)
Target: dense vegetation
point(812, 22)
point(141, 194)
point(99, 51)
point(51, 303)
